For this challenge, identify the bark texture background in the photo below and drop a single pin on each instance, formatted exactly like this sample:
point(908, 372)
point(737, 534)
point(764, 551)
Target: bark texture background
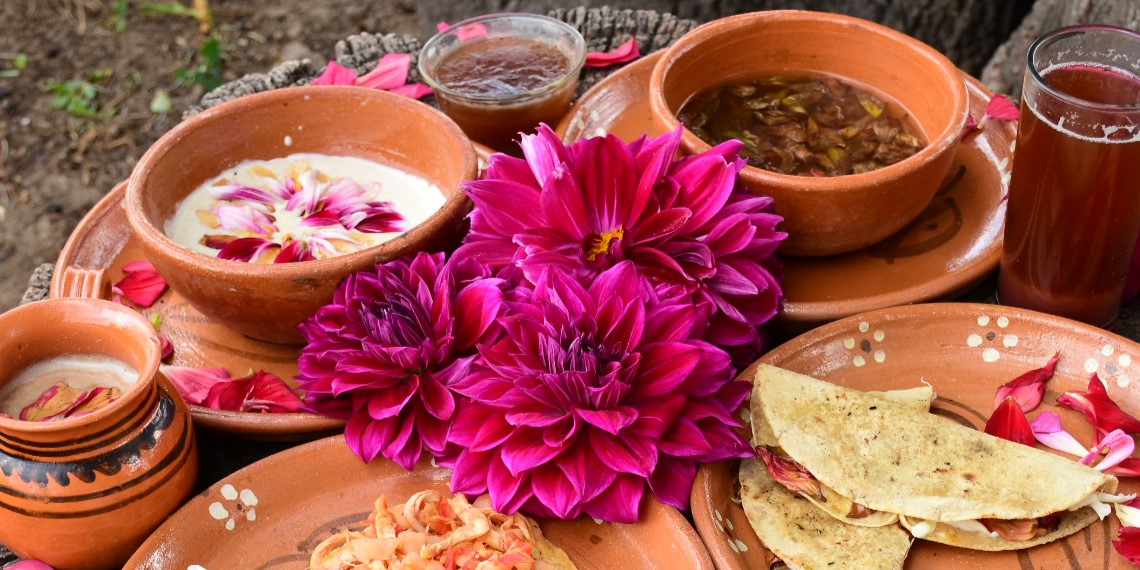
point(1006, 68)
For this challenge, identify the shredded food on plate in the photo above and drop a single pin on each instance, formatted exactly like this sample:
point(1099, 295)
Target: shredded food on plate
point(433, 532)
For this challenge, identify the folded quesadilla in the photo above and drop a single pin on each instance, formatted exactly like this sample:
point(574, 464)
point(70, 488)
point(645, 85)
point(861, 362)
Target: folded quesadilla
point(947, 482)
point(802, 535)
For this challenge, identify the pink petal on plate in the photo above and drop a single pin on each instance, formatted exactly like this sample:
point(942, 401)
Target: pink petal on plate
point(1119, 445)
point(335, 74)
point(269, 393)
point(1009, 422)
point(972, 125)
point(1128, 543)
point(627, 51)
point(142, 285)
point(1099, 409)
point(390, 72)
point(467, 33)
point(195, 383)
point(1002, 109)
point(1029, 388)
point(1047, 429)
point(1130, 467)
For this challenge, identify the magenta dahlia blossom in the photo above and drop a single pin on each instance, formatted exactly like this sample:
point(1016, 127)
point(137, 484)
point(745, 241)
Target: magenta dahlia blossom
point(585, 207)
point(592, 394)
point(384, 353)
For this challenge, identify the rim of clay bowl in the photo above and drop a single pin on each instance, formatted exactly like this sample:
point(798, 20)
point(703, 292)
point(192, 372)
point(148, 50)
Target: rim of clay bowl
point(453, 207)
point(937, 143)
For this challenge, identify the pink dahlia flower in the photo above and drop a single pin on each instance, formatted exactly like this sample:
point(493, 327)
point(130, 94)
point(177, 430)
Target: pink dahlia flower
point(385, 352)
point(586, 207)
point(591, 395)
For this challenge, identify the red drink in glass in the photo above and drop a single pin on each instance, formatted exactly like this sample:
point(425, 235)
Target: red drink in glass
point(1074, 200)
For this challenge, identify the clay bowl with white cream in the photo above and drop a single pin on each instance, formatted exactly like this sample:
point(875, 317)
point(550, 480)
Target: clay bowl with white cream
point(355, 176)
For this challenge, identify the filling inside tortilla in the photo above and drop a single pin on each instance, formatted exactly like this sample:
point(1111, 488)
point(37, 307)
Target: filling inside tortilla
point(1018, 530)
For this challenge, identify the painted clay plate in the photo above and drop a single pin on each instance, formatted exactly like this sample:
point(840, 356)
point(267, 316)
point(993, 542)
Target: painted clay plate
point(947, 250)
point(965, 351)
point(271, 515)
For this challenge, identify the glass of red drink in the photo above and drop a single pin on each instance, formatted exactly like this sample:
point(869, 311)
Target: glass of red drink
point(502, 74)
point(1073, 213)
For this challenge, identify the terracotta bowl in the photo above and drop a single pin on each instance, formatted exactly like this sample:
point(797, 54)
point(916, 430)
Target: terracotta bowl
point(267, 302)
point(826, 215)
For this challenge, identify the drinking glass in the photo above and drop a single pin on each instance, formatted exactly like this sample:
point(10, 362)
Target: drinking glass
point(1073, 213)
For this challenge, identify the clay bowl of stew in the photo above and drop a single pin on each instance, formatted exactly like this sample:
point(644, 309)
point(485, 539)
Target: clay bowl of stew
point(831, 106)
point(267, 301)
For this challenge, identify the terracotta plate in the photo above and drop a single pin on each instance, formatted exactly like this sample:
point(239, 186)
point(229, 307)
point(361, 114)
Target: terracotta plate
point(272, 513)
point(965, 351)
point(951, 247)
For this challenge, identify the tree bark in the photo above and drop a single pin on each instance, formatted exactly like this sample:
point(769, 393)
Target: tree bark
point(1004, 72)
point(967, 31)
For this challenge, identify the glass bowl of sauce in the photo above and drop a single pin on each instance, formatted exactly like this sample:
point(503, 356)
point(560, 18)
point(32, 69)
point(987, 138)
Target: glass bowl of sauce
point(500, 74)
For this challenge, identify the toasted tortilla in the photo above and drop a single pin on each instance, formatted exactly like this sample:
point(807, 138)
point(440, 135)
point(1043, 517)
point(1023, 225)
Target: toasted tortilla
point(838, 505)
point(805, 537)
point(891, 457)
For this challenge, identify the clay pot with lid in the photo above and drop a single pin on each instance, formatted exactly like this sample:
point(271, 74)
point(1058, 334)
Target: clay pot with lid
point(836, 214)
point(83, 493)
point(268, 301)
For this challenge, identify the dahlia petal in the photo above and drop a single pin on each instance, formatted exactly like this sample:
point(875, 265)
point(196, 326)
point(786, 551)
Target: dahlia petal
point(507, 491)
point(271, 393)
point(437, 400)
point(665, 366)
point(544, 152)
point(553, 489)
point(1002, 109)
point(1130, 467)
point(542, 418)
point(142, 284)
point(477, 307)
point(624, 456)
point(1119, 446)
point(662, 225)
point(335, 74)
point(465, 33)
point(413, 90)
point(1047, 430)
point(729, 281)
point(505, 207)
point(1028, 389)
point(294, 251)
point(525, 450)
point(706, 182)
point(390, 72)
point(620, 502)
point(731, 234)
point(653, 157)
point(246, 249)
point(29, 565)
point(1099, 409)
point(627, 51)
point(582, 472)
point(402, 447)
point(610, 421)
point(470, 473)
point(672, 482)
point(194, 383)
point(1127, 543)
point(1009, 422)
point(564, 207)
point(239, 192)
point(364, 436)
point(684, 439)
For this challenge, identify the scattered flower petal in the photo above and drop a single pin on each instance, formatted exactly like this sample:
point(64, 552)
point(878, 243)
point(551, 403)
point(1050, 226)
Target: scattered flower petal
point(1099, 409)
point(1128, 543)
point(1029, 388)
point(1000, 108)
point(258, 392)
point(195, 383)
point(468, 32)
point(1130, 467)
point(390, 74)
point(627, 51)
point(141, 284)
point(1116, 447)
point(1009, 422)
point(1047, 430)
point(1128, 512)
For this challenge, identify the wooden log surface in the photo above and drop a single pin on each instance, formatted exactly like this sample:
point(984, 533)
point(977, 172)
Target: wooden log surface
point(1006, 68)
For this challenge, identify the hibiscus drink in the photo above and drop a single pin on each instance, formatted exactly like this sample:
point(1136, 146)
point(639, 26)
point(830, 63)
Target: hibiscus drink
point(1073, 213)
point(504, 74)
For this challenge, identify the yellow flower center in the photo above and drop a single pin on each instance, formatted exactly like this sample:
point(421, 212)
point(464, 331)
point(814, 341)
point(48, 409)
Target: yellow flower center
point(597, 245)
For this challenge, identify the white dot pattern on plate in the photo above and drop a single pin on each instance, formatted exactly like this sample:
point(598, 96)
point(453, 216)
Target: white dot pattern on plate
point(859, 361)
point(864, 326)
point(863, 345)
point(983, 321)
point(880, 356)
point(740, 546)
point(993, 338)
point(1010, 341)
point(241, 505)
point(1110, 369)
point(991, 355)
point(974, 340)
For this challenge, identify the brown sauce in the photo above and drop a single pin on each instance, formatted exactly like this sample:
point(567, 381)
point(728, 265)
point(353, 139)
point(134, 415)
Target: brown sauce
point(804, 126)
point(501, 67)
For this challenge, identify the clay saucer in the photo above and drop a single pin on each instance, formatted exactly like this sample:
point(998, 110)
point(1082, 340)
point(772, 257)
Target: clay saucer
point(964, 351)
point(943, 253)
point(272, 513)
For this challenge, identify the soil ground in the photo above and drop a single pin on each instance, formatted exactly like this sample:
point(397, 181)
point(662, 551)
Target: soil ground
point(55, 165)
